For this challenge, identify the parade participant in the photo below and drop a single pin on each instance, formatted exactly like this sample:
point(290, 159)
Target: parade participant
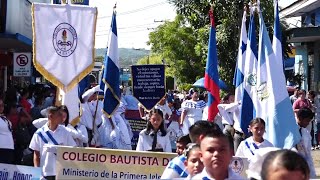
point(78, 131)
point(248, 147)
point(6, 139)
point(91, 116)
point(172, 123)
point(176, 167)
point(284, 164)
point(192, 112)
point(123, 141)
point(45, 138)
point(304, 116)
point(216, 155)
point(181, 143)
point(193, 162)
point(154, 137)
point(162, 105)
point(226, 110)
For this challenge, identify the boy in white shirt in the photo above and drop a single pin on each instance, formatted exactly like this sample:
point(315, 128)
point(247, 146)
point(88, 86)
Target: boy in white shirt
point(44, 140)
point(304, 116)
point(216, 154)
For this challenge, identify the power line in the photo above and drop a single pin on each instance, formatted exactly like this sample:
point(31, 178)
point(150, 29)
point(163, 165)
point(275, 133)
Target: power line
point(129, 27)
point(126, 32)
point(136, 10)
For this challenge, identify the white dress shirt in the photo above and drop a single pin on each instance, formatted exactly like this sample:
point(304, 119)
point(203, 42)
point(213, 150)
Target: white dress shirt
point(226, 112)
point(204, 175)
point(248, 147)
point(145, 142)
point(6, 139)
point(47, 154)
point(304, 149)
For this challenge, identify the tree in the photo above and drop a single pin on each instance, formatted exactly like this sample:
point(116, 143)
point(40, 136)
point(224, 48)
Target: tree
point(176, 41)
point(183, 42)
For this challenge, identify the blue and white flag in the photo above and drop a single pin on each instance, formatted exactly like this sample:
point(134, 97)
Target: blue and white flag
point(239, 71)
point(281, 128)
point(277, 38)
point(111, 73)
point(248, 111)
point(101, 83)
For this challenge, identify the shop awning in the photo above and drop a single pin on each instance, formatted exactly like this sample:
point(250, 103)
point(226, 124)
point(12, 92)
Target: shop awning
point(15, 43)
point(299, 8)
point(304, 34)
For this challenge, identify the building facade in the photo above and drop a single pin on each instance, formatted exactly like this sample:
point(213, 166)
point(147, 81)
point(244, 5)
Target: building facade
point(303, 18)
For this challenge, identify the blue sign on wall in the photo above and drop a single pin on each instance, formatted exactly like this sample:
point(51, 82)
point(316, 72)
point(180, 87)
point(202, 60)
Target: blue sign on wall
point(148, 84)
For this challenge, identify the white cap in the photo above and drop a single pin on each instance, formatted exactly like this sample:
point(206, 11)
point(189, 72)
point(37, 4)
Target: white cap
point(85, 96)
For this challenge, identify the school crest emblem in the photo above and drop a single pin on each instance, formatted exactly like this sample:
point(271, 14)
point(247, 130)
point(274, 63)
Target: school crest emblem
point(64, 39)
point(237, 165)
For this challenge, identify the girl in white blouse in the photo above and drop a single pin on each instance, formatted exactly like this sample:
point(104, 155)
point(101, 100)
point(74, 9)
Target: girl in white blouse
point(248, 147)
point(6, 139)
point(154, 137)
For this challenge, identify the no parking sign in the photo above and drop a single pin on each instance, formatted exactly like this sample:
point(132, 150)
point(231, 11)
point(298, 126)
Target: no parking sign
point(21, 64)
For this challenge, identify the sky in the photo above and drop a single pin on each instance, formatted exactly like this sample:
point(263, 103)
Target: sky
point(135, 20)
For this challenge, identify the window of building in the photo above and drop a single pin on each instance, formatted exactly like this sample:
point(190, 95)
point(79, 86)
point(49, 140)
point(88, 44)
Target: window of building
point(313, 19)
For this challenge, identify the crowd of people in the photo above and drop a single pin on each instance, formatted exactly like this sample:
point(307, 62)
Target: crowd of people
point(31, 127)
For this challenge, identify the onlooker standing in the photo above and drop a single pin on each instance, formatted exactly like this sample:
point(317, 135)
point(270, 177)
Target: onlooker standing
point(301, 102)
point(313, 126)
point(295, 95)
point(6, 139)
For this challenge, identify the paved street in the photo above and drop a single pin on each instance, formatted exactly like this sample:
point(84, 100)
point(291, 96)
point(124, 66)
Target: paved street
point(316, 159)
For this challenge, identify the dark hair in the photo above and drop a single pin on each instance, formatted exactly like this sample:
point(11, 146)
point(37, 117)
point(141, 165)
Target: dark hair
point(302, 91)
point(202, 128)
point(190, 147)
point(287, 159)
point(24, 92)
point(305, 113)
point(256, 121)
point(312, 93)
point(53, 110)
point(226, 97)
point(184, 139)
point(64, 108)
point(161, 128)
point(39, 100)
point(219, 134)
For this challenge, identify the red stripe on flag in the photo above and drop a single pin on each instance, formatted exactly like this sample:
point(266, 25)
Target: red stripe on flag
point(213, 89)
